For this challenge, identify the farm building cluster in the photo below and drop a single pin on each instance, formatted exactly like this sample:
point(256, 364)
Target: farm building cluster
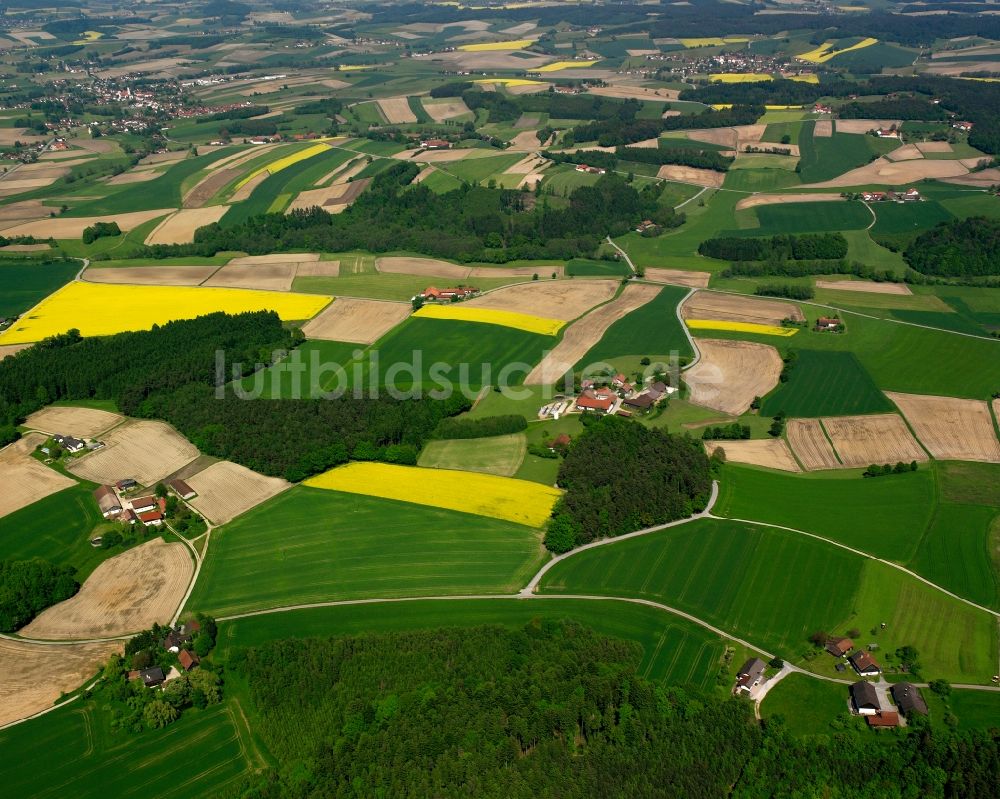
point(72, 445)
point(143, 508)
point(909, 196)
point(619, 397)
point(456, 294)
point(177, 640)
point(872, 701)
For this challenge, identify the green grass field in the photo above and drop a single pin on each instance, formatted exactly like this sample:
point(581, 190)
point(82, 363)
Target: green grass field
point(811, 217)
point(74, 752)
point(762, 175)
point(477, 170)
point(900, 218)
point(308, 371)
point(882, 517)
point(807, 705)
point(587, 267)
point(494, 455)
point(26, 283)
point(653, 330)
point(825, 158)
point(312, 545)
point(674, 651)
point(823, 383)
point(774, 588)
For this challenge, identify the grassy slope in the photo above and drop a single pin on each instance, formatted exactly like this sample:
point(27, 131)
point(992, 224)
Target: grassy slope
point(807, 705)
point(500, 455)
point(310, 545)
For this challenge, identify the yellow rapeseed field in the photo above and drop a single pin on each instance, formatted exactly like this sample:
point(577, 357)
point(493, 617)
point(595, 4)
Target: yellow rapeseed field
point(284, 163)
point(483, 47)
point(555, 66)
point(741, 327)
point(97, 309)
point(822, 54)
point(713, 41)
point(721, 106)
point(740, 77)
point(517, 501)
point(811, 78)
point(488, 316)
point(510, 81)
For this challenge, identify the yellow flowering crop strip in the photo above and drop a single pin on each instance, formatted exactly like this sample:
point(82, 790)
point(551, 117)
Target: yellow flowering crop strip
point(741, 327)
point(102, 309)
point(822, 54)
point(284, 163)
point(555, 66)
point(517, 501)
point(714, 41)
point(812, 78)
point(487, 316)
point(485, 47)
point(740, 77)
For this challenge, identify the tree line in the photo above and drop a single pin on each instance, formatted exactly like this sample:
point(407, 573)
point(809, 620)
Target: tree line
point(463, 427)
point(806, 246)
point(957, 248)
point(685, 156)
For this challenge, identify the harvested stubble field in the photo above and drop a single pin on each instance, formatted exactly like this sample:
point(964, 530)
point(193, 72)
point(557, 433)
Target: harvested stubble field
point(265, 277)
point(488, 316)
point(356, 321)
point(689, 174)
point(772, 453)
point(125, 594)
point(24, 479)
point(775, 199)
point(581, 336)
point(150, 275)
point(811, 445)
point(518, 501)
point(731, 373)
point(446, 109)
point(211, 184)
point(179, 228)
point(551, 299)
point(677, 277)
point(885, 172)
point(950, 428)
point(33, 676)
point(226, 489)
point(862, 126)
point(78, 422)
point(65, 227)
point(429, 267)
point(866, 286)
point(734, 308)
point(397, 110)
point(879, 438)
point(143, 450)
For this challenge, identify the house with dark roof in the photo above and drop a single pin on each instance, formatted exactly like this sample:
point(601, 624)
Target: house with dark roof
point(838, 647)
point(126, 485)
point(641, 402)
point(864, 699)
point(864, 664)
point(107, 501)
point(749, 675)
point(181, 489)
point(142, 504)
point(908, 699)
point(152, 676)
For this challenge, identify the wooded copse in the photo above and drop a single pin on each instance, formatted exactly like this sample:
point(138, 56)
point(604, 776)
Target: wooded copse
point(27, 587)
point(958, 248)
point(808, 246)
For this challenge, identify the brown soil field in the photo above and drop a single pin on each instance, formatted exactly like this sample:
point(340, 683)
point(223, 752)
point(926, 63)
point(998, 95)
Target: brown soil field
point(276, 258)
point(950, 428)
point(206, 188)
point(429, 267)
point(272, 277)
point(731, 373)
point(725, 137)
point(529, 88)
point(318, 269)
point(67, 420)
point(679, 277)
point(346, 194)
point(125, 594)
point(7, 350)
point(25, 248)
point(934, 147)
point(151, 275)
point(517, 271)
point(864, 125)
point(62, 227)
point(137, 176)
point(159, 65)
point(244, 191)
point(526, 141)
point(226, 489)
point(490, 60)
point(396, 110)
point(179, 228)
point(34, 676)
point(984, 179)
point(864, 440)
point(444, 156)
point(868, 286)
point(531, 180)
point(446, 109)
point(344, 173)
point(908, 152)
point(635, 92)
point(15, 186)
point(25, 209)
point(883, 171)
point(690, 174)
point(357, 321)
point(143, 450)
point(584, 333)
point(551, 299)
point(811, 445)
point(772, 453)
point(167, 158)
point(774, 199)
point(525, 166)
point(952, 68)
point(24, 479)
point(10, 135)
point(735, 308)
point(95, 145)
point(425, 173)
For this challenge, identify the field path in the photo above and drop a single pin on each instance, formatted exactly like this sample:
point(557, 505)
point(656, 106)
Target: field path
point(623, 254)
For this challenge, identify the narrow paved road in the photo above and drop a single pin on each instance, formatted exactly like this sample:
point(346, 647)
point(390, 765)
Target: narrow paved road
point(624, 255)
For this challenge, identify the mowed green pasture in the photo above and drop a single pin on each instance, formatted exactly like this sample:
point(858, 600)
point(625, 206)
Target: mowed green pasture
point(774, 588)
point(500, 455)
point(823, 383)
point(652, 329)
point(975, 709)
point(73, 752)
point(26, 283)
point(476, 170)
point(807, 705)
point(309, 370)
point(913, 217)
point(884, 517)
point(56, 528)
point(674, 650)
point(811, 217)
point(824, 158)
point(313, 545)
